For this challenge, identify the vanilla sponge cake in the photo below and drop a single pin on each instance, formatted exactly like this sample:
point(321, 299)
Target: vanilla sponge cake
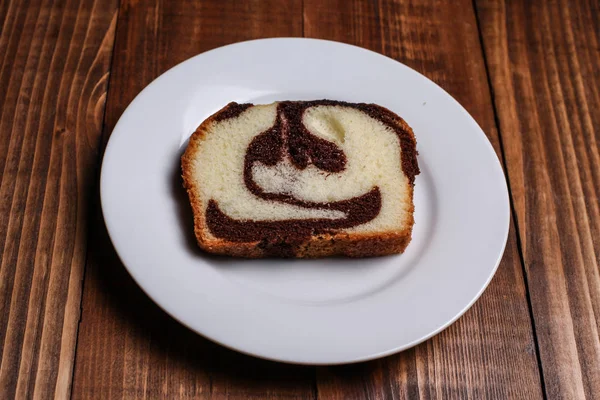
point(302, 179)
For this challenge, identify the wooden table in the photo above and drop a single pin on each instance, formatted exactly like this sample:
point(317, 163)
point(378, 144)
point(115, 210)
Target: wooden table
point(73, 323)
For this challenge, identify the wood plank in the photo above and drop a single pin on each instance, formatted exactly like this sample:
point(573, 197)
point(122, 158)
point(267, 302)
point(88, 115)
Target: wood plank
point(490, 352)
point(546, 82)
point(54, 61)
point(128, 347)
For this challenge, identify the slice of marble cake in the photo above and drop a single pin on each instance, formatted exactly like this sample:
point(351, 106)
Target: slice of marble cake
point(302, 179)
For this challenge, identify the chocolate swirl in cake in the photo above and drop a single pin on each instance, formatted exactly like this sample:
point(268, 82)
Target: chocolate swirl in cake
point(289, 139)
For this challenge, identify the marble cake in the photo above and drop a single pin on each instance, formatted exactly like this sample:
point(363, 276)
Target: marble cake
point(302, 179)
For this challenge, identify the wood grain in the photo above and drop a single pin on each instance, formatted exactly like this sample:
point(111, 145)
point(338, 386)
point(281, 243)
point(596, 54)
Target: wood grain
point(546, 83)
point(128, 347)
point(490, 351)
point(54, 62)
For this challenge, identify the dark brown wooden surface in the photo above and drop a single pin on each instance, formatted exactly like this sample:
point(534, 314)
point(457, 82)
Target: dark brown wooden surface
point(54, 64)
point(529, 72)
point(544, 66)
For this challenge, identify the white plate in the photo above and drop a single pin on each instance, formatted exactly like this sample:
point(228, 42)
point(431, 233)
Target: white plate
point(321, 311)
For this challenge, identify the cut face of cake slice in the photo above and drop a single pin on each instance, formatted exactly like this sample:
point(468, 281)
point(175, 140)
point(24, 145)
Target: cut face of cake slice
point(302, 179)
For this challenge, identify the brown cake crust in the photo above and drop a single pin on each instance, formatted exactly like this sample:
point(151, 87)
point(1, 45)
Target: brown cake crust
point(320, 245)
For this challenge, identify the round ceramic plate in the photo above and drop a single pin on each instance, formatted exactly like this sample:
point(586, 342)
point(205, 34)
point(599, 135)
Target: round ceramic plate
point(325, 311)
